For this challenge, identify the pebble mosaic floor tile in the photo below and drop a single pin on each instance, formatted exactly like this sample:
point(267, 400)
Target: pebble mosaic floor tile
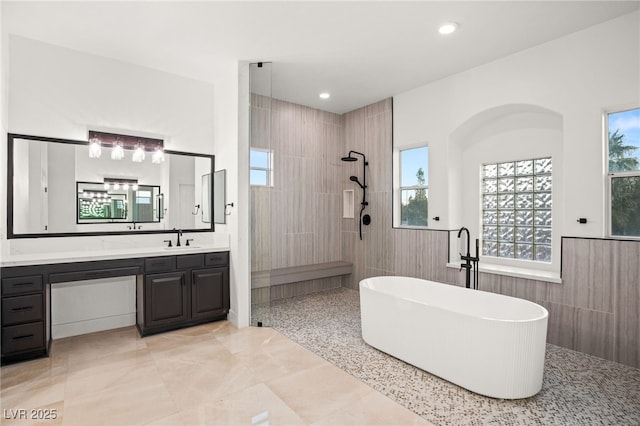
point(578, 389)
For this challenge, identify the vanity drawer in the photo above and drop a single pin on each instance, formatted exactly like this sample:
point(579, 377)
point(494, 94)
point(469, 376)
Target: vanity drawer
point(20, 338)
point(216, 259)
point(19, 309)
point(21, 285)
point(160, 264)
point(189, 261)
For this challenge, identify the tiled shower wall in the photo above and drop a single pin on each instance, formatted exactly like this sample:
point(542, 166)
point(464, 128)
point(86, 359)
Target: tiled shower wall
point(595, 310)
point(295, 222)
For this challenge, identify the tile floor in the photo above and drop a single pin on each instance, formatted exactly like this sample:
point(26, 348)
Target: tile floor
point(578, 389)
point(210, 374)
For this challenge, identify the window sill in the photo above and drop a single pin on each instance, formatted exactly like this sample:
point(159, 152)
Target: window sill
point(411, 227)
point(510, 271)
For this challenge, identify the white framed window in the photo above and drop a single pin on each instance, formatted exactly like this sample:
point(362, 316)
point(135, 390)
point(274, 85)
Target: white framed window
point(623, 173)
point(412, 187)
point(261, 167)
point(517, 210)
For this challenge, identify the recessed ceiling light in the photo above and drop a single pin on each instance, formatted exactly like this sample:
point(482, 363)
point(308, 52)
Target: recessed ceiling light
point(325, 95)
point(448, 28)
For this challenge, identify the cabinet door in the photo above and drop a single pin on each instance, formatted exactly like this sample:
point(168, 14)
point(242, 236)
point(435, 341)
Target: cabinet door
point(166, 299)
point(209, 293)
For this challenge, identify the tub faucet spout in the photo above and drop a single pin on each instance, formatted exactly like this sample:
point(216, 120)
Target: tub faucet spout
point(468, 259)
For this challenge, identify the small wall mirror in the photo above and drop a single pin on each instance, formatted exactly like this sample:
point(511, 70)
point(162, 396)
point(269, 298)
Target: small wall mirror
point(55, 188)
point(219, 196)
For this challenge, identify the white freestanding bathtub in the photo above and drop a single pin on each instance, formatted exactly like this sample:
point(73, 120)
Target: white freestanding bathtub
point(488, 343)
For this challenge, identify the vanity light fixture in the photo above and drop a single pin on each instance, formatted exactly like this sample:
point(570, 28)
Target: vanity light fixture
point(325, 95)
point(119, 143)
point(447, 28)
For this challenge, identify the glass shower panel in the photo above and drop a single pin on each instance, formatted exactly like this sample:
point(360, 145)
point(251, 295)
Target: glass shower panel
point(261, 168)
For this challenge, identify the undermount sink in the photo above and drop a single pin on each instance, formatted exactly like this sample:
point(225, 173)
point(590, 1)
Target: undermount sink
point(181, 247)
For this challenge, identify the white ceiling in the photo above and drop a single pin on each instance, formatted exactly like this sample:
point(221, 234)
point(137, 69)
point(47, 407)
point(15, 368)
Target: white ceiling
point(358, 51)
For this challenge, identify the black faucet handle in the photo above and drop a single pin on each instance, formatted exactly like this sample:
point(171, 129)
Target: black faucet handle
point(168, 241)
point(188, 239)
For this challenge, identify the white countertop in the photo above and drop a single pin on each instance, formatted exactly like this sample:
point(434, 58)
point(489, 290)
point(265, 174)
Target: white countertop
point(90, 255)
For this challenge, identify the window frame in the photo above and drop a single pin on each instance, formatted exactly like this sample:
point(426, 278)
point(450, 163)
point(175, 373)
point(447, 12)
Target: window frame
point(397, 188)
point(609, 176)
point(268, 169)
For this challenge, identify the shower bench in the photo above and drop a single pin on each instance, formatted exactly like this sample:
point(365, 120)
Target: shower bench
point(293, 281)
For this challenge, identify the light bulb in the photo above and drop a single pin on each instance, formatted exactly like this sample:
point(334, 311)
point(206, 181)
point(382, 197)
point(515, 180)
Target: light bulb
point(138, 155)
point(158, 156)
point(117, 153)
point(95, 150)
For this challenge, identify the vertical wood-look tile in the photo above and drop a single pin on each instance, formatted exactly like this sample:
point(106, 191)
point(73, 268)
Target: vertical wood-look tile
point(260, 131)
point(378, 108)
point(375, 272)
point(292, 250)
point(328, 246)
point(354, 123)
point(580, 329)
point(329, 150)
point(588, 275)
point(378, 148)
point(627, 304)
point(353, 251)
point(431, 252)
point(260, 229)
point(297, 208)
point(379, 240)
point(405, 260)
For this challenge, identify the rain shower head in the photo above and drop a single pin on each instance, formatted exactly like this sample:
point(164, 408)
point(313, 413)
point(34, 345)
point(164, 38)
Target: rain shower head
point(349, 159)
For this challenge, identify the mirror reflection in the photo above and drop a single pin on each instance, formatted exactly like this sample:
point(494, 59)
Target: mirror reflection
point(58, 187)
point(116, 201)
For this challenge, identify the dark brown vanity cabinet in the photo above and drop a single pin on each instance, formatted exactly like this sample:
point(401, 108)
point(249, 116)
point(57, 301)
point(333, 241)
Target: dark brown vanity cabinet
point(23, 316)
point(209, 293)
point(183, 290)
point(166, 296)
point(172, 292)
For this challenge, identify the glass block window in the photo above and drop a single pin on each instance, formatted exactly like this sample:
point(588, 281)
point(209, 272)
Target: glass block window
point(260, 167)
point(516, 209)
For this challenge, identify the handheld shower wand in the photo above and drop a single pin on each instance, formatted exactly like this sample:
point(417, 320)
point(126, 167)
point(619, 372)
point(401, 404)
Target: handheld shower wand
point(356, 180)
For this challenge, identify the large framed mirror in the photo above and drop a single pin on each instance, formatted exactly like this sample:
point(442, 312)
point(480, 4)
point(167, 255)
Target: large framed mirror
point(55, 188)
